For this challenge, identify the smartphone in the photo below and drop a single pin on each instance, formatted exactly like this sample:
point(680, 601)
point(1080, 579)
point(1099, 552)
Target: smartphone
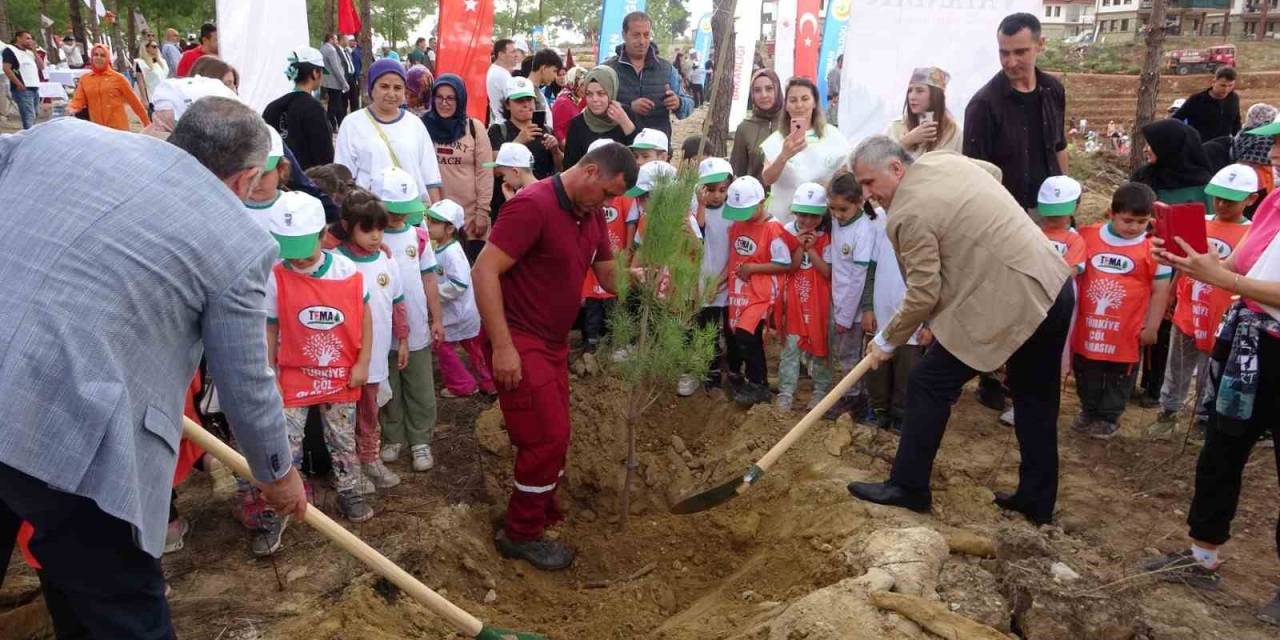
point(926, 117)
point(796, 125)
point(1186, 221)
point(540, 119)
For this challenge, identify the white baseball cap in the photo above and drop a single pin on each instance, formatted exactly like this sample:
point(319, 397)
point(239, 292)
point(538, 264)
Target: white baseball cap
point(446, 211)
point(177, 94)
point(810, 199)
point(714, 171)
point(599, 142)
point(511, 154)
point(517, 88)
point(399, 193)
point(650, 139)
point(1234, 182)
point(308, 55)
point(521, 44)
point(650, 175)
point(275, 151)
point(1058, 196)
point(296, 222)
point(745, 194)
point(1177, 104)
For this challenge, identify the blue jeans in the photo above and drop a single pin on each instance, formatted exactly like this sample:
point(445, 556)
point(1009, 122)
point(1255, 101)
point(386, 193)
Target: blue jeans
point(27, 101)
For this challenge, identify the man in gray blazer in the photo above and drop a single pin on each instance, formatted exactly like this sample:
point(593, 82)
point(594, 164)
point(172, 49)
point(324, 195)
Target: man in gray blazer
point(335, 81)
point(141, 260)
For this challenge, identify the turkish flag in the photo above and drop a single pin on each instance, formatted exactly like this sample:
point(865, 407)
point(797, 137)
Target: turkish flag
point(808, 39)
point(348, 19)
point(466, 40)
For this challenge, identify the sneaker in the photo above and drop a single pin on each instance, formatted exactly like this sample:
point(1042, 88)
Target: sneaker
point(364, 485)
point(783, 401)
point(548, 555)
point(1006, 418)
point(1101, 430)
point(422, 458)
point(620, 354)
point(1181, 566)
point(353, 507)
point(175, 535)
point(382, 477)
point(1080, 424)
point(1164, 425)
point(686, 386)
point(391, 452)
point(1270, 612)
point(269, 537)
point(446, 393)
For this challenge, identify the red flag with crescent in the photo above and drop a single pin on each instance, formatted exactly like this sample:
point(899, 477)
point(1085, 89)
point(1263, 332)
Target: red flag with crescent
point(466, 40)
point(348, 19)
point(808, 38)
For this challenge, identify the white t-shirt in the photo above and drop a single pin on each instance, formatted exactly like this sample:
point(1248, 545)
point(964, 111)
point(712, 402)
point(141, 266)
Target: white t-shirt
point(890, 287)
point(384, 283)
point(816, 163)
point(495, 83)
point(361, 149)
point(458, 301)
point(332, 266)
point(853, 247)
point(28, 71)
point(715, 252)
point(412, 262)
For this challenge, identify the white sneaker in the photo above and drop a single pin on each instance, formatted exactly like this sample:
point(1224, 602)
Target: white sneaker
point(1007, 418)
point(391, 452)
point(422, 459)
point(382, 477)
point(175, 536)
point(364, 485)
point(686, 386)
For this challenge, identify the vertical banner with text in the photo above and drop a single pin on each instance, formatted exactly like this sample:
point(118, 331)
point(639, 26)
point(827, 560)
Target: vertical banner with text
point(465, 42)
point(611, 15)
point(833, 30)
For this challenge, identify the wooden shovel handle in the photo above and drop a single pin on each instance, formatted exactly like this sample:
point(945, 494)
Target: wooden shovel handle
point(814, 414)
point(379, 563)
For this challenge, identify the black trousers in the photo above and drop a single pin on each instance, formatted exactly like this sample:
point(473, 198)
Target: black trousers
point(595, 315)
point(1220, 467)
point(353, 94)
point(337, 107)
point(725, 344)
point(1104, 387)
point(97, 583)
point(1154, 360)
point(695, 90)
point(748, 352)
point(1034, 370)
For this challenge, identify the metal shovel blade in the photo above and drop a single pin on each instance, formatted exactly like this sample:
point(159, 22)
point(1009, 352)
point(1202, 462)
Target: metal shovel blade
point(494, 633)
point(717, 496)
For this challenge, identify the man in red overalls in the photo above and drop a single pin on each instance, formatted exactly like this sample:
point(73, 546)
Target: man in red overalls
point(527, 283)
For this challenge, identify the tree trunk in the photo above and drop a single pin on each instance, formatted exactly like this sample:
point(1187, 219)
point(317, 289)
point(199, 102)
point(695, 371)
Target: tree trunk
point(51, 41)
point(330, 16)
point(1149, 82)
point(716, 126)
point(366, 40)
point(1262, 23)
point(5, 34)
point(77, 23)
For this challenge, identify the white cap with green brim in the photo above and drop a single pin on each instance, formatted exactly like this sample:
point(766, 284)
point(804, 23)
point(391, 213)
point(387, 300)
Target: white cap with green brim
point(745, 195)
point(650, 175)
point(511, 154)
point(518, 88)
point(1272, 129)
point(177, 94)
point(399, 193)
point(296, 223)
point(446, 211)
point(650, 139)
point(1058, 196)
point(275, 151)
point(810, 199)
point(1234, 182)
point(714, 171)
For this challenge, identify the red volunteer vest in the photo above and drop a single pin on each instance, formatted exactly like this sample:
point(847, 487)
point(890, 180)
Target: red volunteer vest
point(749, 300)
point(615, 218)
point(1200, 307)
point(807, 298)
point(1114, 293)
point(1070, 246)
point(321, 327)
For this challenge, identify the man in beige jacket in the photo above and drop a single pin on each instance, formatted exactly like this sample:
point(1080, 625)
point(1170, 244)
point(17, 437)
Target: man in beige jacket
point(992, 289)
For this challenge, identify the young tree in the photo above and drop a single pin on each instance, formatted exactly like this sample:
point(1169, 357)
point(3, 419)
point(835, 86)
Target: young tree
point(656, 329)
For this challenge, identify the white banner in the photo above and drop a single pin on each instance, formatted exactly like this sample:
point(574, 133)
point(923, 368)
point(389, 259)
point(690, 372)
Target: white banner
point(746, 30)
point(887, 39)
point(784, 52)
point(256, 38)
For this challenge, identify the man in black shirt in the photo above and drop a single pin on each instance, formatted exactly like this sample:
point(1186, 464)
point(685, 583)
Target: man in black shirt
point(1214, 112)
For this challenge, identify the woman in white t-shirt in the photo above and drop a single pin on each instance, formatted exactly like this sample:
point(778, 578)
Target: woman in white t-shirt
point(802, 148)
point(384, 135)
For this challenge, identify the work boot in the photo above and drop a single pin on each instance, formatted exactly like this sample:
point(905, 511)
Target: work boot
point(390, 451)
point(382, 477)
point(269, 537)
point(544, 554)
point(422, 458)
point(1181, 566)
point(1164, 425)
point(1270, 612)
point(175, 536)
point(353, 507)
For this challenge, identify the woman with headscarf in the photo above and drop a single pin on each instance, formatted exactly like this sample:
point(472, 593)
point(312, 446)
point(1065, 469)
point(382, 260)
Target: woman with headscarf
point(104, 92)
point(417, 82)
point(462, 149)
point(602, 117)
point(1255, 151)
point(150, 69)
point(569, 103)
point(766, 100)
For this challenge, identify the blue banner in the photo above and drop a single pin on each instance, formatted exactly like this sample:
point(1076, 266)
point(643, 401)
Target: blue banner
point(833, 29)
point(611, 15)
point(702, 38)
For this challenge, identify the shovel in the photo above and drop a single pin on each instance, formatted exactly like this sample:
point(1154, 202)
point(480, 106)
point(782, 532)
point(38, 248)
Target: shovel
point(464, 622)
point(721, 494)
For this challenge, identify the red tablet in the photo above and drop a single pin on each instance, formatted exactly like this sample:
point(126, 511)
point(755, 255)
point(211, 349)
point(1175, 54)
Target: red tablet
point(1186, 221)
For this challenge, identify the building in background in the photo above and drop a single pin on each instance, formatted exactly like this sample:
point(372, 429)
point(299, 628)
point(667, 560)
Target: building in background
point(1067, 18)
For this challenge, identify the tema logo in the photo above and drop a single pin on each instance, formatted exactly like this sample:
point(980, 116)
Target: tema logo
point(610, 214)
point(1219, 247)
point(744, 245)
point(1112, 263)
point(320, 318)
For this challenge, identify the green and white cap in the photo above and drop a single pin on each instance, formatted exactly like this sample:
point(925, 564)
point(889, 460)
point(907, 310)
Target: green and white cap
point(1234, 182)
point(810, 199)
point(1058, 196)
point(650, 175)
point(511, 154)
point(650, 139)
point(714, 171)
point(517, 88)
point(296, 223)
point(276, 150)
point(745, 194)
point(399, 192)
point(446, 211)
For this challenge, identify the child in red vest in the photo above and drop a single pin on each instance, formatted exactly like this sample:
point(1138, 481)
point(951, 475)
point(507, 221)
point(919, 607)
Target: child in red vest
point(319, 339)
point(1123, 296)
point(1055, 205)
point(757, 255)
point(806, 297)
point(1199, 307)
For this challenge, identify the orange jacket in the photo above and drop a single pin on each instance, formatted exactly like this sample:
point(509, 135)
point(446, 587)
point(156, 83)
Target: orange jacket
point(106, 94)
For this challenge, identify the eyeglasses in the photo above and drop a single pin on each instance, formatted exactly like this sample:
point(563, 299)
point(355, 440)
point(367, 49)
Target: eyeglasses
point(152, 46)
point(446, 98)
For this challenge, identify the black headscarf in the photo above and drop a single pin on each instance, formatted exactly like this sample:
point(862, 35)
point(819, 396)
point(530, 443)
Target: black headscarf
point(1180, 158)
point(448, 130)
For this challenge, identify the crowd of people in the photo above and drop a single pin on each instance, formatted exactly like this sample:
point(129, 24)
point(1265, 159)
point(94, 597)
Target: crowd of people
point(411, 239)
